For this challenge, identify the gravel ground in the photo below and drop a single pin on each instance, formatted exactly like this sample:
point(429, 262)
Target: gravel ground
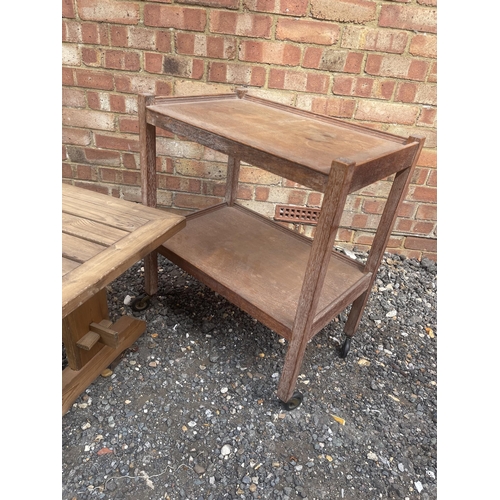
point(191, 412)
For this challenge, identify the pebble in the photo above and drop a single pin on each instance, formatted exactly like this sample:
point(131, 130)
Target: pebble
point(165, 419)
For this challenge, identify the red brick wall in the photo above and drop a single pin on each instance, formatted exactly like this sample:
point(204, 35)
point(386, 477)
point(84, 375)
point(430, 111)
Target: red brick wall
point(367, 61)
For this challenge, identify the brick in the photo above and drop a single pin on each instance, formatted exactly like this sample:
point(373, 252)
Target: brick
point(85, 118)
point(296, 197)
point(408, 18)
point(71, 32)
point(285, 7)
point(76, 136)
point(166, 16)
point(299, 81)
point(337, 107)
point(430, 3)
point(117, 103)
point(178, 183)
point(73, 98)
point(307, 31)
point(228, 4)
point(374, 39)
point(134, 37)
point(178, 149)
point(205, 170)
point(120, 59)
point(237, 73)
point(363, 87)
point(427, 158)
point(190, 87)
point(332, 60)
point(422, 93)
point(128, 125)
point(427, 212)
point(254, 175)
point(70, 55)
point(396, 67)
point(94, 79)
point(86, 173)
point(232, 23)
point(109, 11)
point(432, 179)
point(153, 62)
point(423, 194)
point(424, 45)
point(98, 101)
point(270, 53)
point(383, 112)
point(195, 201)
point(121, 143)
point(67, 76)
point(194, 44)
point(92, 156)
point(91, 57)
point(433, 73)
point(96, 34)
point(183, 67)
point(68, 9)
point(163, 41)
point(67, 171)
point(423, 244)
point(346, 11)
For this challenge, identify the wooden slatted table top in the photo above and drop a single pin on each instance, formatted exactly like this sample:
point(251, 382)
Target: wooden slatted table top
point(102, 237)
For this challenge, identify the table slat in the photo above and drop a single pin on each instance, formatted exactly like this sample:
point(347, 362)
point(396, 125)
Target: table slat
point(91, 230)
point(80, 250)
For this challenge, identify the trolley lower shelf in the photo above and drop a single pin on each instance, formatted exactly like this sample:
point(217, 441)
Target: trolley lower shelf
point(259, 266)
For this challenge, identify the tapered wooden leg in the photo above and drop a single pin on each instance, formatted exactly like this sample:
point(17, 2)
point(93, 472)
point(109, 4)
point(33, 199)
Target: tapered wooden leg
point(321, 250)
point(233, 171)
point(147, 138)
point(396, 195)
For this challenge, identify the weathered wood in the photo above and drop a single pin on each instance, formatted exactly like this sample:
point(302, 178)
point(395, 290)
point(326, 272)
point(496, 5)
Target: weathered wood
point(331, 211)
point(233, 171)
point(396, 195)
point(147, 140)
point(108, 336)
point(137, 231)
point(102, 237)
point(88, 341)
point(76, 325)
point(256, 264)
point(74, 382)
point(292, 286)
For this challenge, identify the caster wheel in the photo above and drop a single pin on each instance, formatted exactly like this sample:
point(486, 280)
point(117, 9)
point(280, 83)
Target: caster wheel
point(140, 303)
point(345, 348)
point(294, 401)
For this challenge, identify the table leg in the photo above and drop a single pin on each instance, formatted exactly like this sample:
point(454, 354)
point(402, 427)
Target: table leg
point(74, 382)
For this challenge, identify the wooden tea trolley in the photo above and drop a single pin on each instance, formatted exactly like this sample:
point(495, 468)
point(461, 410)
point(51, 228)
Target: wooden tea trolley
point(290, 283)
point(102, 237)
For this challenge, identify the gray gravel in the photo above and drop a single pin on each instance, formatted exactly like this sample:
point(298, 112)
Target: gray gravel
point(190, 411)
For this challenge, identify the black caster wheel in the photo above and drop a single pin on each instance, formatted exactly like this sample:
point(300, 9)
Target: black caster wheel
point(294, 401)
point(140, 303)
point(344, 351)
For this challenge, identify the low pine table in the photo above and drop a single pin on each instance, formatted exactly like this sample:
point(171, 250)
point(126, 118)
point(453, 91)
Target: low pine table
point(102, 237)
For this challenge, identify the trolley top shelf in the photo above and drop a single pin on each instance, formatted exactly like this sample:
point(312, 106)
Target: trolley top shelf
point(299, 137)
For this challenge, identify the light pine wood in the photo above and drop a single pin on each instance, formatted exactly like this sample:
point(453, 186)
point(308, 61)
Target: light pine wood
point(140, 231)
point(88, 341)
point(102, 237)
point(74, 382)
point(292, 286)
